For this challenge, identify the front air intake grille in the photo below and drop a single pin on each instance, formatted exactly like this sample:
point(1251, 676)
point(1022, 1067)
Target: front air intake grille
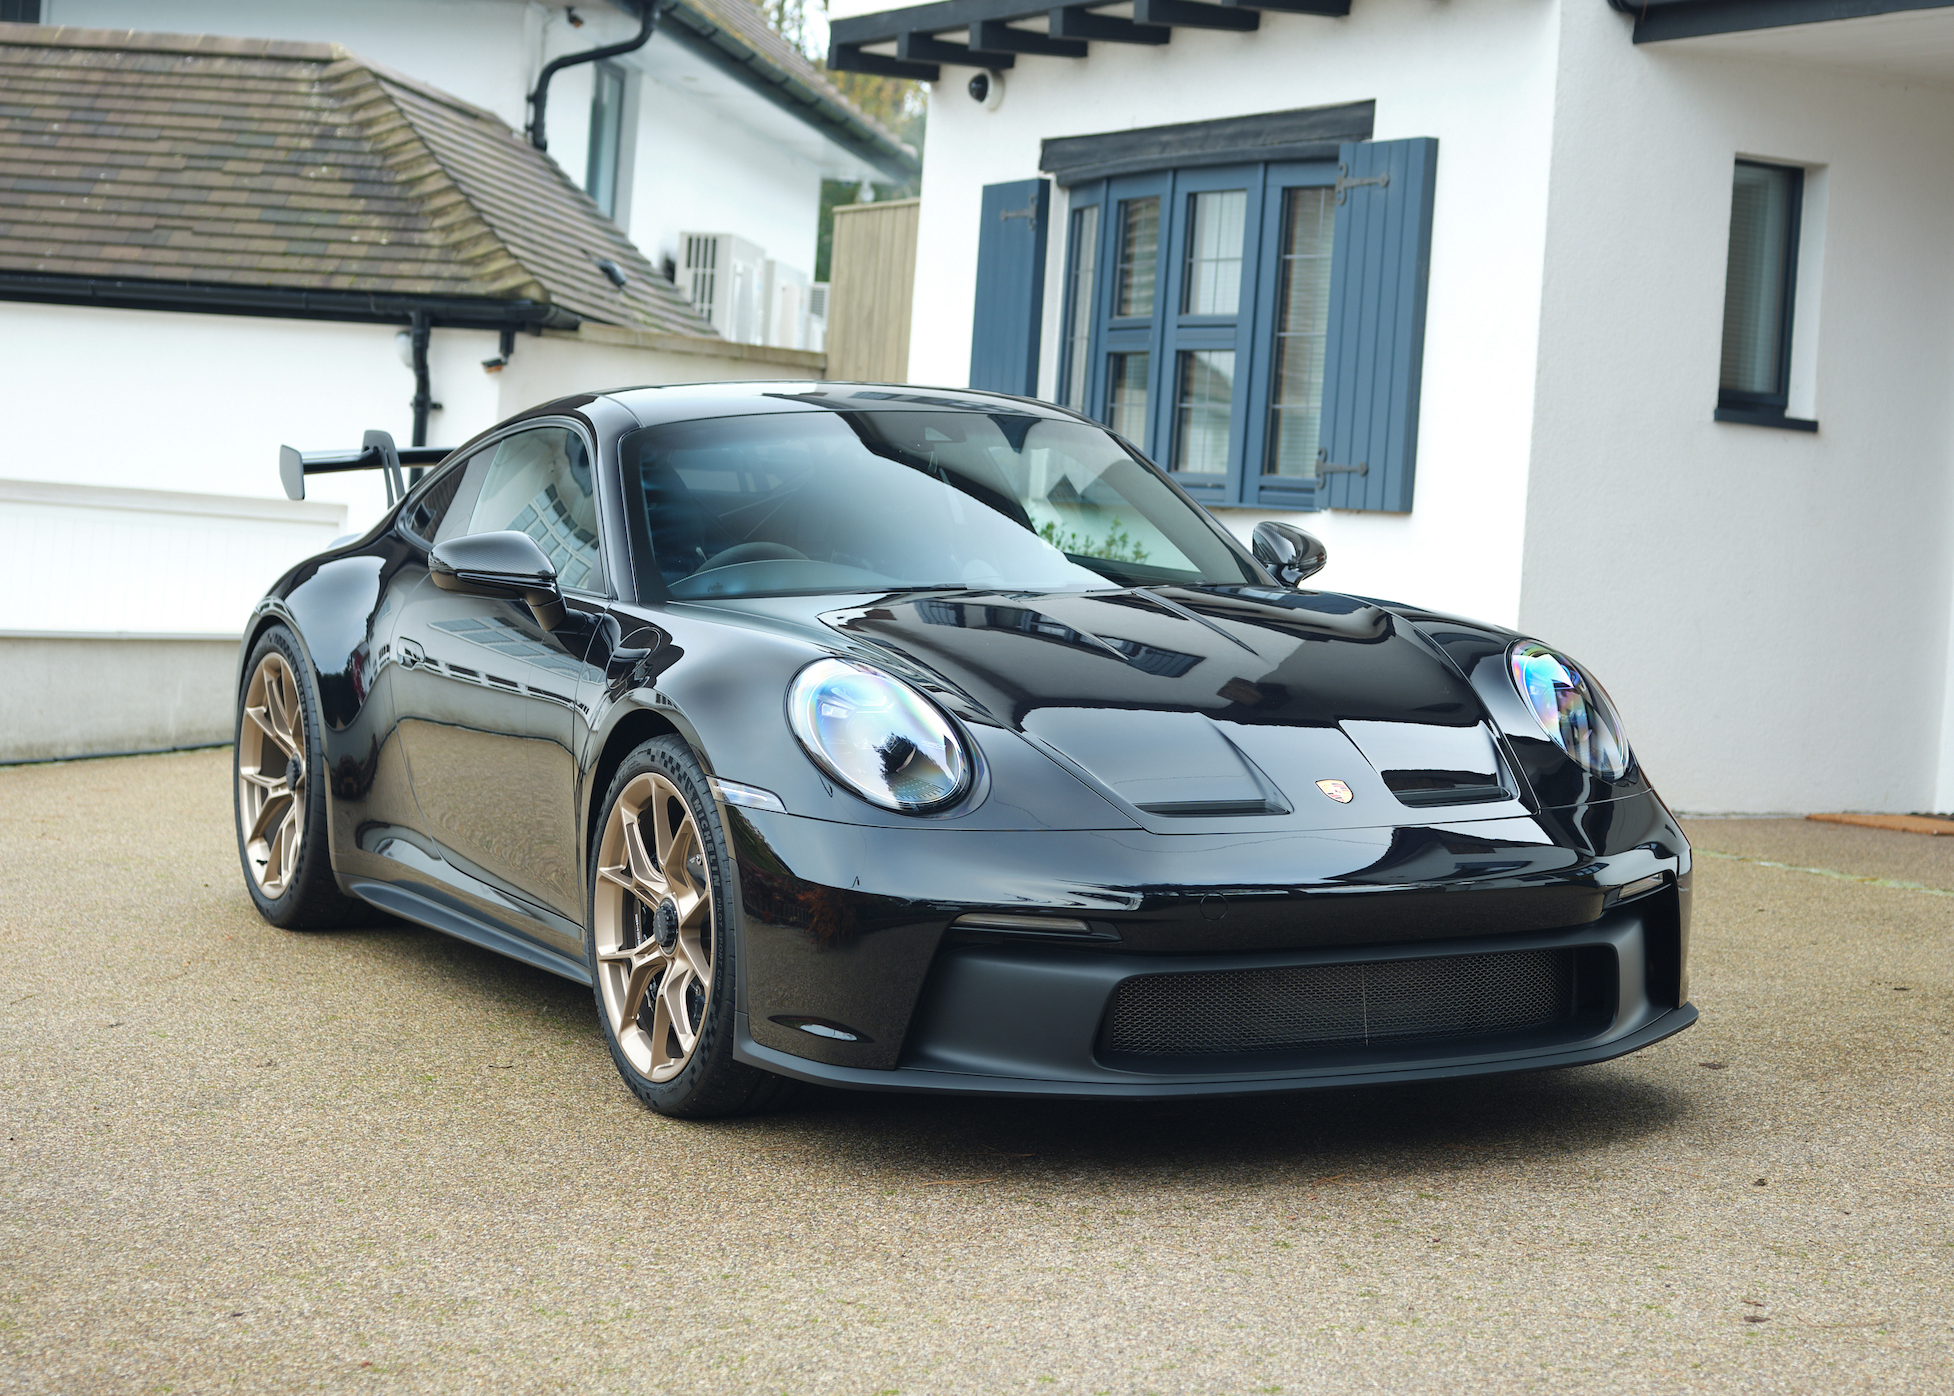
point(1298, 1007)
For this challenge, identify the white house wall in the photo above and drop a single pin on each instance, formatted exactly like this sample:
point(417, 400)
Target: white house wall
point(696, 172)
point(1769, 607)
point(1478, 75)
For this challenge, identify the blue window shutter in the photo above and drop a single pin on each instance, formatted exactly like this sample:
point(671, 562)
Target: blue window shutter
point(1010, 315)
point(1375, 356)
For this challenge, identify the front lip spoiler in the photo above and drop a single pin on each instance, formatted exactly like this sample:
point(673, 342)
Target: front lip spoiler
point(957, 1083)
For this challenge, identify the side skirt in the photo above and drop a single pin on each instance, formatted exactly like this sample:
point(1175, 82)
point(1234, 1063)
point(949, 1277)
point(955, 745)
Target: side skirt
point(424, 911)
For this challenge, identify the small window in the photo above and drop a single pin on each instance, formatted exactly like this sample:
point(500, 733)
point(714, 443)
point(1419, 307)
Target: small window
point(1085, 266)
point(1302, 330)
point(606, 137)
point(1139, 244)
point(1205, 401)
point(1760, 281)
point(1127, 396)
point(1216, 224)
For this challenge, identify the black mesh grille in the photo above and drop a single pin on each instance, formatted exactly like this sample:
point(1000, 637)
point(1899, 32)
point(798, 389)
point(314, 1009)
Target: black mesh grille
point(1303, 1006)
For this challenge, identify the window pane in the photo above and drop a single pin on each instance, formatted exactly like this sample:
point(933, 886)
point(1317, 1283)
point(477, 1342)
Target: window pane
point(1126, 395)
point(1206, 391)
point(1302, 331)
point(1085, 261)
point(1139, 241)
point(538, 482)
point(606, 126)
point(1754, 288)
point(1215, 225)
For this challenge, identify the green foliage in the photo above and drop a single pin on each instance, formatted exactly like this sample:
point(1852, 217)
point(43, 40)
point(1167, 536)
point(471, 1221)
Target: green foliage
point(1117, 547)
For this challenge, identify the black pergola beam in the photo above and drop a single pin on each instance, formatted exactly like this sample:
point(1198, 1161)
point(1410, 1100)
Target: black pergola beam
point(1184, 14)
point(995, 36)
point(1077, 22)
point(922, 48)
point(1333, 9)
point(849, 58)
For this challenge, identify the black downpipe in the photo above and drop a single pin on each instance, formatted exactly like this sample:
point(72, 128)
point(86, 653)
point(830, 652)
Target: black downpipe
point(539, 100)
point(424, 402)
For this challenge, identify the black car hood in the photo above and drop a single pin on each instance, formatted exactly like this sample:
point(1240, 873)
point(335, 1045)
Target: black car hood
point(1212, 702)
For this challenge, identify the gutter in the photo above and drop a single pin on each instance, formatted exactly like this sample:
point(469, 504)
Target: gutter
point(282, 302)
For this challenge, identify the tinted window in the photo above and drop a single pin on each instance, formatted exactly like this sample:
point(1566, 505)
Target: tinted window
point(539, 482)
point(430, 507)
point(867, 501)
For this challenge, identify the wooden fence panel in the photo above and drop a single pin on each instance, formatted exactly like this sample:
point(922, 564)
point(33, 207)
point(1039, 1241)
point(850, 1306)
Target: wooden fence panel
point(871, 286)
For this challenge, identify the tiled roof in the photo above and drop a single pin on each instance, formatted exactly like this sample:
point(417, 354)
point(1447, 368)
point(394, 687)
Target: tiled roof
point(261, 163)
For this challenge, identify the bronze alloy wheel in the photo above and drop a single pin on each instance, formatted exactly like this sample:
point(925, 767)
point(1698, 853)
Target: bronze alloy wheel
point(654, 929)
point(271, 775)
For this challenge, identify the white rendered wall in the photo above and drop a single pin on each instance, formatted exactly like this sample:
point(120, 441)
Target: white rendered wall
point(1770, 608)
point(697, 173)
point(202, 403)
point(1478, 75)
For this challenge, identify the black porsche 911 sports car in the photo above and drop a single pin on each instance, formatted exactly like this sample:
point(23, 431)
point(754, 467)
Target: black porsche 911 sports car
point(930, 740)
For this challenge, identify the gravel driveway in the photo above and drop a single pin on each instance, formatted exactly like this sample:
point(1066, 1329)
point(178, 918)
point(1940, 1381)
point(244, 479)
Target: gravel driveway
point(245, 1159)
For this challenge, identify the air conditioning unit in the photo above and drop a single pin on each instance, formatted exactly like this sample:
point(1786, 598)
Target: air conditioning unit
point(817, 317)
point(723, 280)
point(786, 301)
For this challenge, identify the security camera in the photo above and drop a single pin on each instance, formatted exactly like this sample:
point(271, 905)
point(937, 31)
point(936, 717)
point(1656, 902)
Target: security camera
point(987, 90)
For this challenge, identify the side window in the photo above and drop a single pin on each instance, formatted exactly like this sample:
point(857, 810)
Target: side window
point(429, 509)
point(539, 482)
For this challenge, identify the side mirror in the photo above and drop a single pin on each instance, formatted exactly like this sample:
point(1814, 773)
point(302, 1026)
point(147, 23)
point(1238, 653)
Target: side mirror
point(502, 566)
point(1289, 553)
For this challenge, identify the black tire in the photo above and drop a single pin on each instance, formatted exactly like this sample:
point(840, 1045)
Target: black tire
point(710, 1083)
point(304, 896)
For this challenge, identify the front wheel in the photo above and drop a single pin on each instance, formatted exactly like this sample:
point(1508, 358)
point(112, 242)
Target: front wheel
point(662, 951)
point(281, 793)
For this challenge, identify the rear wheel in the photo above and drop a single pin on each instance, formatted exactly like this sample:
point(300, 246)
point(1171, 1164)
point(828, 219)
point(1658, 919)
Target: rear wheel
point(280, 797)
point(662, 950)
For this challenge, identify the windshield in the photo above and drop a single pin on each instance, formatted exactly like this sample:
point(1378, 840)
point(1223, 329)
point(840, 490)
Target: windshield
point(875, 501)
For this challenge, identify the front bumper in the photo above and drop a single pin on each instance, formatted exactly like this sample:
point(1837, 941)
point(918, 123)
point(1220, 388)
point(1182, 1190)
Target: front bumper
point(853, 975)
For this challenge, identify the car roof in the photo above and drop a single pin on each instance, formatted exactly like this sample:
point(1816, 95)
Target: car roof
point(691, 401)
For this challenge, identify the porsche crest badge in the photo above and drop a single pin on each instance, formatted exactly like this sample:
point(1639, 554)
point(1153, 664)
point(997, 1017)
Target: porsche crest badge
point(1336, 790)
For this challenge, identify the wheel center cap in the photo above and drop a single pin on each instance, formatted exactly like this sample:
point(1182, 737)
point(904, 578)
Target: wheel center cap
point(664, 924)
point(294, 773)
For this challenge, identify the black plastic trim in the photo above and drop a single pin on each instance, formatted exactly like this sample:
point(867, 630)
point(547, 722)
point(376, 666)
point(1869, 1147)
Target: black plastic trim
point(409, 905)
point(954, 1083)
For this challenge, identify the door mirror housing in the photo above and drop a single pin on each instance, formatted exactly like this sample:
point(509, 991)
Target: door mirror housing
point(1289, 553)
point(502, 566)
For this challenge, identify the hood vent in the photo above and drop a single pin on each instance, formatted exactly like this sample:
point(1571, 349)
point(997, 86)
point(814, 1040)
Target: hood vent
point(1173, 765)
point(1427, 766)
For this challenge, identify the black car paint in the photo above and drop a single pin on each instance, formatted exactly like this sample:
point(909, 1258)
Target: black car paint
point(845, 909)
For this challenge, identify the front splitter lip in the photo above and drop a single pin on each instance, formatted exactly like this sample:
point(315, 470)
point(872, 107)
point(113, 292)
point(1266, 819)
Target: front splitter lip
point(930, 1082)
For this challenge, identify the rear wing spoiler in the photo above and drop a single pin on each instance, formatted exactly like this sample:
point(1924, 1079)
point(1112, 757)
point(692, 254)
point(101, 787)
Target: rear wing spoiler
point(377, 452)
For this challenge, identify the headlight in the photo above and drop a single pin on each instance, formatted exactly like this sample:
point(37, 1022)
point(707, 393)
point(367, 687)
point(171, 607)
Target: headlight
point(1571, 708)
point(878, 736)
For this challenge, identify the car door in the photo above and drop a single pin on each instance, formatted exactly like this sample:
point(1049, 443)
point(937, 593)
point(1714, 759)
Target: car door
point(487, 697)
